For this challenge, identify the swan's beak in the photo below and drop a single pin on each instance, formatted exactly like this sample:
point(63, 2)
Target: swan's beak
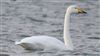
point(81, 11)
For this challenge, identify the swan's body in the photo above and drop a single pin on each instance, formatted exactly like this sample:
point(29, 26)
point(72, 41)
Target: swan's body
point(42, 42)
point(51, 43)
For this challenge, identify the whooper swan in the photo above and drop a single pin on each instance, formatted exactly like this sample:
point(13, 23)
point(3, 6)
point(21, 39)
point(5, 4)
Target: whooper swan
point(51, 43)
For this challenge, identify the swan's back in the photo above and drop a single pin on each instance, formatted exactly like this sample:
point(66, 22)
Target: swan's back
point(43, 42)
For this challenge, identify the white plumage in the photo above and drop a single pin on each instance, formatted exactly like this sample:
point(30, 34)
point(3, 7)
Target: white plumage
point(51, 43)
point(42, 42)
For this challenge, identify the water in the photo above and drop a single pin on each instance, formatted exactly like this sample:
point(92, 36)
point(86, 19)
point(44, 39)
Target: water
point(23, 18)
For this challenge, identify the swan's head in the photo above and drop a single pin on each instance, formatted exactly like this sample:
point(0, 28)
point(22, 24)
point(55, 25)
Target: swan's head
point(76, 9)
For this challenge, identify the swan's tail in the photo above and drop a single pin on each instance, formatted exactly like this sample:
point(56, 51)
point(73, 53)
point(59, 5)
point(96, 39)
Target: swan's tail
point(17, 43)
point(24, 45)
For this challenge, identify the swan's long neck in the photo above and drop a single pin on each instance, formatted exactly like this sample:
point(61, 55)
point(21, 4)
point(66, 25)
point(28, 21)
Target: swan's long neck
point(67, 38)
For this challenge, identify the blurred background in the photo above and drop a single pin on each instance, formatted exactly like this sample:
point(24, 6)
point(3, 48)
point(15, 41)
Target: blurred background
point(24, 18)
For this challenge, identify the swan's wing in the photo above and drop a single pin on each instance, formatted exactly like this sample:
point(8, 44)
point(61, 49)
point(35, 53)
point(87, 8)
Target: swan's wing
point(36, 42)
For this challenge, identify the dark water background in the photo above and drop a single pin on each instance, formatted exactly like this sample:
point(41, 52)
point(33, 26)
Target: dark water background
point(23, 18)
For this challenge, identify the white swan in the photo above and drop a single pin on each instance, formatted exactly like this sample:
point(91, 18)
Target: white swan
point(51, 43)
